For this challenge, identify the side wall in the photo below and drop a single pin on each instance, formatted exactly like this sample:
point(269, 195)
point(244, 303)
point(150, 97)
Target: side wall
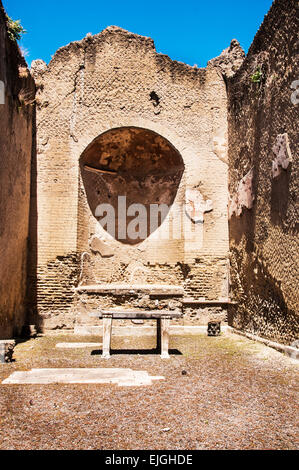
point(16, 116)
point(263, 180)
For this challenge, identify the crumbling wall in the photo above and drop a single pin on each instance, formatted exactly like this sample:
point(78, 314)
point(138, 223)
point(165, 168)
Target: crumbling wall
point(100, 92)
point(16, 118)
point(263, 180)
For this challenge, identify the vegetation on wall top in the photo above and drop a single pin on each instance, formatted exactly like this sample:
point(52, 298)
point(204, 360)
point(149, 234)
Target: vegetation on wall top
point(14, 29)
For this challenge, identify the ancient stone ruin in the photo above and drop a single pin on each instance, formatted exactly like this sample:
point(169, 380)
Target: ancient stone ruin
point(206, 157)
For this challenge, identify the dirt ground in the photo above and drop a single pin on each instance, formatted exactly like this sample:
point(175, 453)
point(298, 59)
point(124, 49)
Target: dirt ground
point(218, 393)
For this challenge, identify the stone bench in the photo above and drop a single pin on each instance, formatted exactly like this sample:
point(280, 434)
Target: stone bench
point(162, 316)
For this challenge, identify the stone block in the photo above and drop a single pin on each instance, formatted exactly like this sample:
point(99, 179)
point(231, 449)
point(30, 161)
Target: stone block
point(214, 328)
point(6, 350)
point(244, 196)
point(99, 246)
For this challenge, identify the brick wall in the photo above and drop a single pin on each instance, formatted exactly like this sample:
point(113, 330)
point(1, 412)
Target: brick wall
point(16, 129)
point(263, 136)
point(106, 82)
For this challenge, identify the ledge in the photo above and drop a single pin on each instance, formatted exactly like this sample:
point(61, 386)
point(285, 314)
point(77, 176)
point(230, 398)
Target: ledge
point(208, 302)
point(137, 314)
point(134, 289)
point(282, 348)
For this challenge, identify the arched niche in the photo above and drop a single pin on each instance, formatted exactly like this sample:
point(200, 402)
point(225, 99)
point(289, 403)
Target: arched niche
point(134, 163)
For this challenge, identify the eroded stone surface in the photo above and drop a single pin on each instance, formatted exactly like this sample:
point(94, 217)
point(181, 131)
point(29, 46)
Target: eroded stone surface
point(37, 67)
point(282, 150)
point(196, 205)
point(230, 60)
point(244, 197)
point(101, 247)
point(220, 145)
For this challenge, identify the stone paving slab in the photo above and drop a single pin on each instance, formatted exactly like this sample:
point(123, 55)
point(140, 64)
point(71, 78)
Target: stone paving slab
point(120, 377)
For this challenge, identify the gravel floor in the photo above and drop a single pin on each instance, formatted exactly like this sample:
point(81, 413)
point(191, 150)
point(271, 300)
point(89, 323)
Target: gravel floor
point(219, 393)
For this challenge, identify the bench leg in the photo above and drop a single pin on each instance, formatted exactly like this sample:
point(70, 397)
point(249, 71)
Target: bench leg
point(107, 327)
point(165, 322)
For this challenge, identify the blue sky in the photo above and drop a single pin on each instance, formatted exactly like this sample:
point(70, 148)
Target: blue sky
point(191, 31)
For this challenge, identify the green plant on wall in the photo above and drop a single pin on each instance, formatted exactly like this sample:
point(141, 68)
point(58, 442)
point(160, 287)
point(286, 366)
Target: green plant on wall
point(14, 29)
point(257, 76)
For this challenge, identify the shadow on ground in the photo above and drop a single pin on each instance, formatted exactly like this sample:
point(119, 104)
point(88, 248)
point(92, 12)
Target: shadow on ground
point(138, 352)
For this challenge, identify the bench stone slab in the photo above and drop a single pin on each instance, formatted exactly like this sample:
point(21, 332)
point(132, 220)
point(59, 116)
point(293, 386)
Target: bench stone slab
point(136, 314)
